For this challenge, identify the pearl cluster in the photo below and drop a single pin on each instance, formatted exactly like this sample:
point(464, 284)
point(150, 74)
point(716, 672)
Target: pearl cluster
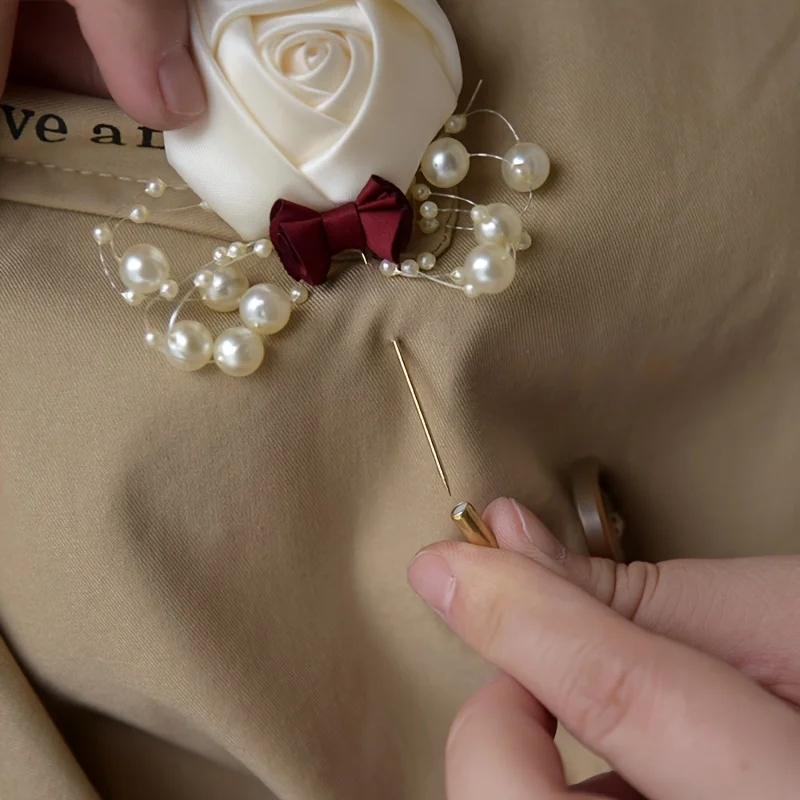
point(222, 286)
point(498, 228)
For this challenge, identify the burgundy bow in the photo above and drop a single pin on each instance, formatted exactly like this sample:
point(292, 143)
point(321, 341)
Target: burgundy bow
point(380, 220)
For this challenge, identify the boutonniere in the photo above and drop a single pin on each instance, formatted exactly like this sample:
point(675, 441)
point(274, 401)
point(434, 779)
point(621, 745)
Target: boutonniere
point(331, 128)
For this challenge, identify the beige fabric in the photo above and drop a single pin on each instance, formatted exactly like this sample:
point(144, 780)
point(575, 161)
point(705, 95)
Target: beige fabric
point(204, 579)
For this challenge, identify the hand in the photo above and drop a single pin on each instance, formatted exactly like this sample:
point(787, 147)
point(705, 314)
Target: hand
point(656, 668)
point(135, 50)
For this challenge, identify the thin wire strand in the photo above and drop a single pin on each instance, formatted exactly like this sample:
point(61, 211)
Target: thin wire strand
point(421, 415)
point(473, 98)
point(496, 114)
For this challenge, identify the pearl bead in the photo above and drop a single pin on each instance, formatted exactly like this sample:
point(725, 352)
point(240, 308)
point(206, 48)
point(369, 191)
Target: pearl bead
point(456, 124)
point(154, 339)
point(427, 261)
point(203, 278)
point(156, 188)
point(237, 250)
point(204, 206)
point(189, 345)
point(221, 254)
point(143, 268)
point(102, 234)
point(265, 308)
point(410, 268)
point(525, 241)
point(133, 299)
point(263, 248)
point(429, 210)
point(457, 276)
point(387, 268)
point(169, 290)
point(479, 214)
point(429, 226)
point(445, 163)
point(239, 352)
point(502, 226)
point(488, 269)
point(525, 167)
point(299, 294)
point(139, 214)
point(420, 192)
point(226, 288)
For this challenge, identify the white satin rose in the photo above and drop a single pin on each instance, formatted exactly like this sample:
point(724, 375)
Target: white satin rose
point(309, 98)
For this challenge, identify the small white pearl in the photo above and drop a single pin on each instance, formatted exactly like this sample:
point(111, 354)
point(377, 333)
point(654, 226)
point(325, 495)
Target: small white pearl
point(226, 288)
point(420, 192)
point(456, 124)
point(429, 210)
point(143, 268)
point(525, 241)
point(265, 308)
point(525, 167)
point(489, 269)
point(239, 352)
point(299, 294)
point(410, 268)
point(236, 250)
point(169, 290)
point(133, 299)
point(263, 248)
point(154, 339)
point(427, 261)
point(457, 276)
point(189, 345)
point(387, 268)
point(139, 214)
point(204, 206)
point(501, 226)
point(156, 188)
point(221, 254)
point(203, 278)
point(102, 234)
point(429, 226)
point(445, 163)
point(479, 214)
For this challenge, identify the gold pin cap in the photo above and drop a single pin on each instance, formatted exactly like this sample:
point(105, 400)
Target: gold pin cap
point(472, 527)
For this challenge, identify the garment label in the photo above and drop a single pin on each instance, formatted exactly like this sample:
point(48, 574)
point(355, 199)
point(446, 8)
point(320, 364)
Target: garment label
point(21, 122)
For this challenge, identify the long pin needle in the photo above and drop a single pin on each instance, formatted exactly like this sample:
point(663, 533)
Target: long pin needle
point(421, 415)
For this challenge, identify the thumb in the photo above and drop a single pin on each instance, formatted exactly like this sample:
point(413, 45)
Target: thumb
point(142, 50)
point(738, 610)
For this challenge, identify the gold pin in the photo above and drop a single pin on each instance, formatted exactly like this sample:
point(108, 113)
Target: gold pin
point(472, 527)
point(421, 416)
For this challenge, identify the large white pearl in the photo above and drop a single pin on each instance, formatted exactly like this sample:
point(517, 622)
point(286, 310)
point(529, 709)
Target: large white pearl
point(488, 269)
point(500, 224)
point(525, 167)
point(189, 345)
point(265, 308)
point(445, 163)
point(224, 291)
point(239, 352)
point(144, 268)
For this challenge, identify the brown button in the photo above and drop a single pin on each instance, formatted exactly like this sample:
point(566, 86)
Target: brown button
point(602, 525)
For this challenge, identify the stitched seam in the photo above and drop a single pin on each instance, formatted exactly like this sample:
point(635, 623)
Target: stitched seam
point(84, 172)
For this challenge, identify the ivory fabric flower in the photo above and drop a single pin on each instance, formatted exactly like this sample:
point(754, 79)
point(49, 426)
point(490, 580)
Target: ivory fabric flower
point(309, 98)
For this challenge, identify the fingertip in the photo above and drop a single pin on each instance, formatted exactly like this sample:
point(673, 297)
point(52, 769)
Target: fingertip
point(181, 89)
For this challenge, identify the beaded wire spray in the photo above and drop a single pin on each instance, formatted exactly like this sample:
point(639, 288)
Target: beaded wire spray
point(223, 286)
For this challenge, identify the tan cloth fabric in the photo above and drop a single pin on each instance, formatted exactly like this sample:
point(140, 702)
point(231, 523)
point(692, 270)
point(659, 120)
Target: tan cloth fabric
point(204, 579)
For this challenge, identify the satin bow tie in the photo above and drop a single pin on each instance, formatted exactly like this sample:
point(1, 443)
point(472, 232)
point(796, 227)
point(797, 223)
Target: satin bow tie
point(380, 220)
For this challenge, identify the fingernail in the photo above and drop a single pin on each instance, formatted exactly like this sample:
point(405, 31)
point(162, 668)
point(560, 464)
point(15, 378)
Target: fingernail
point(432, 579)
point(179, 81)
point(538, 535)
